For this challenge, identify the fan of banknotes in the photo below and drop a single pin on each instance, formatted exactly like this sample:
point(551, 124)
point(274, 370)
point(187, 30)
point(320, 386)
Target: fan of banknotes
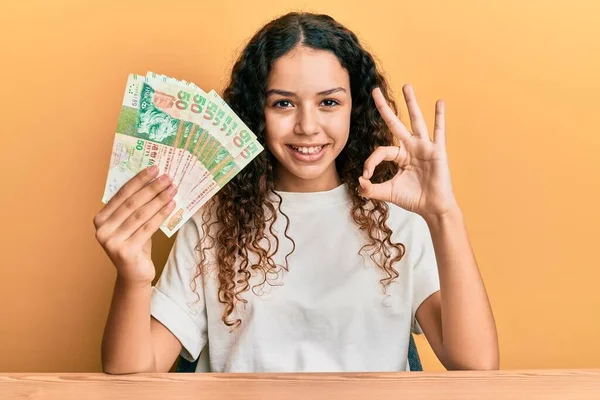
point(192, 136)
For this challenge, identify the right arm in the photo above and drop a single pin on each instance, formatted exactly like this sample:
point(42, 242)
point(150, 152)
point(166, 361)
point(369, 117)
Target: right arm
point(133, 341)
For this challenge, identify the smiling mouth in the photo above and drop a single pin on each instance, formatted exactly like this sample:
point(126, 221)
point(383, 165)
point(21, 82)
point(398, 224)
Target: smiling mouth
point(307, 150)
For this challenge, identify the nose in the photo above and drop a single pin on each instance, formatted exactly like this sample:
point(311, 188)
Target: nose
point(307, 122)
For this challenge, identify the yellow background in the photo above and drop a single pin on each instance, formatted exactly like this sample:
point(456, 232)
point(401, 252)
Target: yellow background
point(520, 80)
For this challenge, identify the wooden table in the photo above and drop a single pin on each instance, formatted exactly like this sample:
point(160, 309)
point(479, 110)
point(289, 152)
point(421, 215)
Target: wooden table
point(505, 385)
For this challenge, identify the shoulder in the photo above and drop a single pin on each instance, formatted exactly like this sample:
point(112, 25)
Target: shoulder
point(192, 233)
point(412, 231)
point(406, 222)
point(200, 222)
point(191, 230)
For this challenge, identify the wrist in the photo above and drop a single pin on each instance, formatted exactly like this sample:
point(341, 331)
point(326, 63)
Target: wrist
point(124, 283)
point(450, 216)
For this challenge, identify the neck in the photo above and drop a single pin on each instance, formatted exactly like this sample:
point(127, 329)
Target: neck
point(287, 182)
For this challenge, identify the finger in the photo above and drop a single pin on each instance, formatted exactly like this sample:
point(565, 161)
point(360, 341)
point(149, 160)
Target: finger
point(375, 191)
point(439, 131)
point(131, 187)
point(417, 122)
point(391, 120)
point(383, 153)
point(134, 203)
point(145, 206)
point(146, 213)
point(145, 232)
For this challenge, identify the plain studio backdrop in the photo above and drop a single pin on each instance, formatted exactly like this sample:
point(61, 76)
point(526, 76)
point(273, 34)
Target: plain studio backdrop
point(520, 80)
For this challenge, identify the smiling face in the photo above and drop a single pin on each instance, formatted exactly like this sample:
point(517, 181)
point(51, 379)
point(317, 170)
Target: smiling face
point(307, 116)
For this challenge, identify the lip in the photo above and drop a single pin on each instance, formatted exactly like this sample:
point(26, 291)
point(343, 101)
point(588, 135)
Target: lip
point(307, 157)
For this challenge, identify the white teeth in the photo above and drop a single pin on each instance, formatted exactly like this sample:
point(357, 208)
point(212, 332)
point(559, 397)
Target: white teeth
point(307, 150)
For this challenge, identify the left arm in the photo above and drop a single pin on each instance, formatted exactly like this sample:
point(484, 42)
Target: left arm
point(458, 321)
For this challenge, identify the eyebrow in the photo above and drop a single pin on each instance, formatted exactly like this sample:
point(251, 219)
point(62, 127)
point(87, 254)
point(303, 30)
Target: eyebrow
point(292, 94)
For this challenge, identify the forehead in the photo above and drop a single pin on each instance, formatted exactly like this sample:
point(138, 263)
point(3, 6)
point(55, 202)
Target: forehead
point(308, 70)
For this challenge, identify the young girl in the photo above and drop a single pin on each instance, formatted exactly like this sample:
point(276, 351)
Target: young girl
point(326, 252)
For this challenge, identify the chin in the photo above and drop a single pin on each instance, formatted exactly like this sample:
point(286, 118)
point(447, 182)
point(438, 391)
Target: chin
point(307, 173)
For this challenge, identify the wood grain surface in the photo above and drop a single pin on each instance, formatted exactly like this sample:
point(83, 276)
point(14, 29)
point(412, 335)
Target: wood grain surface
point(505, 385)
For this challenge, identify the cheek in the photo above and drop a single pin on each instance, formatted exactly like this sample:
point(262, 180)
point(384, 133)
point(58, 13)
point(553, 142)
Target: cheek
point(276, 128)
point(338, 128)
point(270, 131)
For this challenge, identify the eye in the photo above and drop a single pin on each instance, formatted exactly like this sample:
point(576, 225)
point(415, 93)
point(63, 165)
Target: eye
point(330, 103)
point(282, 104)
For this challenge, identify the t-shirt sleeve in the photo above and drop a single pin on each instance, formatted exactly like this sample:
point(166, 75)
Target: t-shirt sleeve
point(177, 303)
point(425, 272)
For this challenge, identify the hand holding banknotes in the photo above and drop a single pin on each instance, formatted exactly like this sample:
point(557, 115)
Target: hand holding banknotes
point(125, 225)
point(175, 147)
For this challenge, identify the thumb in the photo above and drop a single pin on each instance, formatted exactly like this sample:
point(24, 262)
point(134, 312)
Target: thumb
point(375, 191)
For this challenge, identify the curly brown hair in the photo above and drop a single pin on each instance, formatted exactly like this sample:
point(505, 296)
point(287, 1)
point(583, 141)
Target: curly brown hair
point(243, 211)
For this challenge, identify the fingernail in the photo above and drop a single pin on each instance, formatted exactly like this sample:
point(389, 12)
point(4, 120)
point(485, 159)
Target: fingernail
point(153, 169)
point(365, 174)
point(163, 178)
point(172, 189)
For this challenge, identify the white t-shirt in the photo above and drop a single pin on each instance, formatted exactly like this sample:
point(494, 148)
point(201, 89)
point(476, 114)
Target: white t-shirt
point(329, 313)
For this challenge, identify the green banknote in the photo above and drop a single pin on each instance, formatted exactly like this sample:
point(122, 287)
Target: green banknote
point(192, 136)
point(144, 135)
